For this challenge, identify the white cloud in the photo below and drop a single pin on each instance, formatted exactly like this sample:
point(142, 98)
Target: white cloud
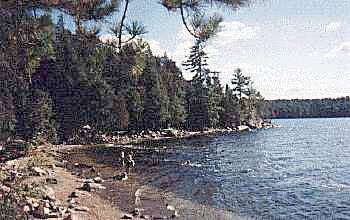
point(156, 48)
point(184, 42)
point(333, 26)
point(340, 50)
point(229, 41)
point(230, 35)
point(235, 31)
point(107, 38)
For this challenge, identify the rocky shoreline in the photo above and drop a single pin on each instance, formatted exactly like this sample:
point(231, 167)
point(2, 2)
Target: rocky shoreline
point(43, 188)
point(79, 188)
point(172, 134)
point(71, 185)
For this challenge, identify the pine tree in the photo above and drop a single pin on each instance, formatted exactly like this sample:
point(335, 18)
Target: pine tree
point(229, 116)
point(152, 103)
point(173, 86)
point(240, 85)
point(135, 109)
point(214, 100)
point(197, 94)
point(197, 60)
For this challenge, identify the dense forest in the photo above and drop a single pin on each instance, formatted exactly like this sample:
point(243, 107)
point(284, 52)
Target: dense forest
point(55, 79)
point(308, 108)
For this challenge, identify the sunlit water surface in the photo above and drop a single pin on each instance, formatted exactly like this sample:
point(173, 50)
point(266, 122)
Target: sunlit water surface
point(298, 171)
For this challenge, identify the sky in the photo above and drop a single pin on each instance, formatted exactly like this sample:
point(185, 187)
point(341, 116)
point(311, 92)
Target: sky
point(290, 49)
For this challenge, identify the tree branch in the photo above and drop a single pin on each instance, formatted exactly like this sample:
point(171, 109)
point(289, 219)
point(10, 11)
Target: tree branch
point(122, 25)
point(128, 40)
point(184, 21)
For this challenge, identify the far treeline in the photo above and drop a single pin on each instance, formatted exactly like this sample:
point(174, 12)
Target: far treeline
point(308, 108)
point(55, 79)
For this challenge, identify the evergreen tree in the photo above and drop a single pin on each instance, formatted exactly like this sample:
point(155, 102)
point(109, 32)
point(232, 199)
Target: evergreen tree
point(240, 85)
point(230, 109)
point(152, 103)
point(197, 94)
point(135, 109)
point(214, 100)
point(173, 86)
point(197, 60)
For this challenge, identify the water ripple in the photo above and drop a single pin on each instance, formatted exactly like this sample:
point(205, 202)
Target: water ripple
point(299, 171)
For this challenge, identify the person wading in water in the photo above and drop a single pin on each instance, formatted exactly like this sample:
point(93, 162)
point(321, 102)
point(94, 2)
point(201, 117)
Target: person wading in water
point(130, 162)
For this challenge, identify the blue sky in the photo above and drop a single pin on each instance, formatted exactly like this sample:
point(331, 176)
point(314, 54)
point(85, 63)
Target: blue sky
point(291, 49)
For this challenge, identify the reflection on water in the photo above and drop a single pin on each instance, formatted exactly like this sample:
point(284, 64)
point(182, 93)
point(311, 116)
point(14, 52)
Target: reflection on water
point(300, 170)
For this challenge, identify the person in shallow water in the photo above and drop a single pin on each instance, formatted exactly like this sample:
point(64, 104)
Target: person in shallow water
point(130, 162)
point(122, 158)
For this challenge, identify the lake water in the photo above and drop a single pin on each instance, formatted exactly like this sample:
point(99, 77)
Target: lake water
point(298, 171)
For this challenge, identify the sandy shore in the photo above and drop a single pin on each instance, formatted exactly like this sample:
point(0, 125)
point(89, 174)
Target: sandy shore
point(70, 165)
point(133, 193)
point(86, 206)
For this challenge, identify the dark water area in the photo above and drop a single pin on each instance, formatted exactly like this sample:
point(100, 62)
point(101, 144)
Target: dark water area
point(298, 171)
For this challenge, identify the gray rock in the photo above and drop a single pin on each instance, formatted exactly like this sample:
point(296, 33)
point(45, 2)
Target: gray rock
point(62, 210)
point(82, 209)
point(242, 128)
point(127, 216)
point(88, 181)
point(71, 201)
point(53, 215)
point(170, 207)
point(38, 171)
point(27, 209)
point(41, 212)
point(72, 216)
point(51, 180)
point(4, 189)
point(175, 214)
point(98, 180)
point(97, 186)
point(74, 194)
point(47, 204)
point(86, 187)
point(172, 211)
point(49, 193)
point(136, 212)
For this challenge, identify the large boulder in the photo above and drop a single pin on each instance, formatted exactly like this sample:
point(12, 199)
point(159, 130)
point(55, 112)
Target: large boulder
point(243, 128)
point(255, 123)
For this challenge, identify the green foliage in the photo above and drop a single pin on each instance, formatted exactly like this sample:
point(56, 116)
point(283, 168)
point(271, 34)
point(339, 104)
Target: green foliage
point(306, 108)
point(152, 100)
point(202, 27)
point(35, 115)
point(12, 202)
point(229, 116)
point(214, 101)
point(53, 81)
point(135, 109)
point(240, 83)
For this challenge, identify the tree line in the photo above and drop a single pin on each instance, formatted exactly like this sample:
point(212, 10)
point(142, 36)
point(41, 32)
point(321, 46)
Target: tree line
point(54, 79)
point(308, 108)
